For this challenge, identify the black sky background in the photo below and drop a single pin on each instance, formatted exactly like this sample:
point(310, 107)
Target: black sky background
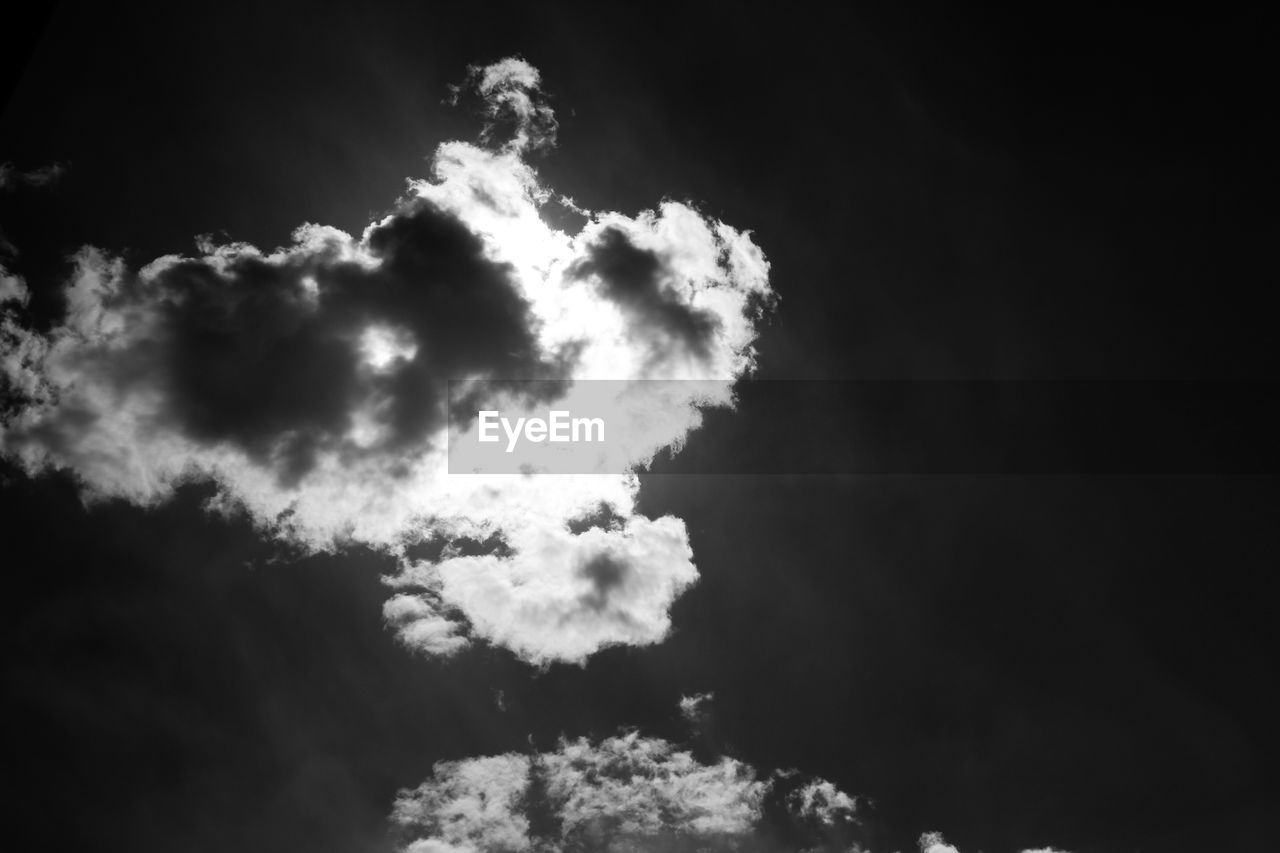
point(1015, 661)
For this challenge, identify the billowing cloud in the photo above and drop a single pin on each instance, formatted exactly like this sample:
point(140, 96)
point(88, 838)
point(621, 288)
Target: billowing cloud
point(625, 793)
point(310, 384)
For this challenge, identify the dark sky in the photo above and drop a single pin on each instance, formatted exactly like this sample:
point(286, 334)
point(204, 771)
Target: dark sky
point(1013, 660)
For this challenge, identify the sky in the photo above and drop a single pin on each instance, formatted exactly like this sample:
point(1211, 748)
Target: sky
point(251, 609)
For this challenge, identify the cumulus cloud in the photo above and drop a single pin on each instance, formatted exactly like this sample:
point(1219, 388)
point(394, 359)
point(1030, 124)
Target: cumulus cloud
point(310, 384)
point(624, 793)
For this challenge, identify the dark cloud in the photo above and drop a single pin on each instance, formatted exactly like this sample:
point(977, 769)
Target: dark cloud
point(274, 354)
point(254, 358)
point(603, 517)
point(606, 574)
point(639, 281)
point(439, 546)
point(10, 176)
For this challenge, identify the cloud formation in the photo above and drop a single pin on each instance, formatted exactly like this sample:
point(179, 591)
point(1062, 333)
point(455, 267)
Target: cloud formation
point(511, 93)
point(625, 793)
point(630, 794)
point(310, 384)
point(694, 708)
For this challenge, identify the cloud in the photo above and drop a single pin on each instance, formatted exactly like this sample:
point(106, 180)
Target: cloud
point(11, 177)
point(624, 793)
point(309, 384)
point(642, 283)
point(933, 842)
point(694, 708)
point(824, 801)
point(511, 93)
point(559, 596)
point(630, 794)
point(13, 288)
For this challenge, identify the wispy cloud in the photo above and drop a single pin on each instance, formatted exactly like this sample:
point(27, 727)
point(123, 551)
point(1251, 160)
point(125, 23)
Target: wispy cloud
point(623, 793)
point(512, 97)
point(11, 176)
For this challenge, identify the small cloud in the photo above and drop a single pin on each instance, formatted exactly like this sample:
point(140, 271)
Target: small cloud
point(933, 842)
point(13, 288)
point(511, 94)
point(11, 177)
point(824, 801)
point(694, 708)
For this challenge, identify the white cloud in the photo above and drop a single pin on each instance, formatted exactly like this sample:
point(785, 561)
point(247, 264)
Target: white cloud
point(693, 707)
point(629, 793)
point(824, 801)
point(933, 842)
point(562, 596)
point(511, 90)
point(470, 805)
point(301, 382)
point(621, 793)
